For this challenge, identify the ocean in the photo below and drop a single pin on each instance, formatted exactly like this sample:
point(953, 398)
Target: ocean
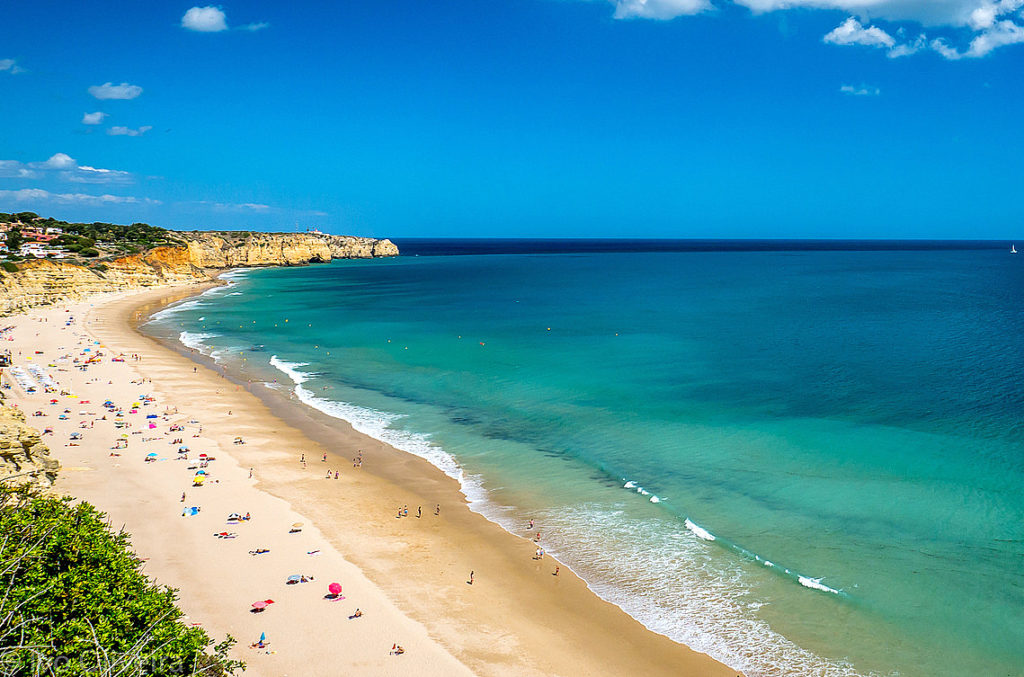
point(800, 458)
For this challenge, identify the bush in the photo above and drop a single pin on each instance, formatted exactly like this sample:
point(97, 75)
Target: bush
point(90, 252)
point(9, 267)
point(76, 601)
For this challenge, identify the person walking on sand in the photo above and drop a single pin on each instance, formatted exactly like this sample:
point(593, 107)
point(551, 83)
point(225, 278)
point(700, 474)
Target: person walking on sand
point(471, 574)
point(419, 511)
point(183, 497)
point(437, 509)
point(250, 473)
point(556, 572)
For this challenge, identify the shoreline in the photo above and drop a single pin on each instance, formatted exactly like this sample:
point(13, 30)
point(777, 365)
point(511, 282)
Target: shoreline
point(515, 619)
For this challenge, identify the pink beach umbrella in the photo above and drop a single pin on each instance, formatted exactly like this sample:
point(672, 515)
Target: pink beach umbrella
point(335, 588)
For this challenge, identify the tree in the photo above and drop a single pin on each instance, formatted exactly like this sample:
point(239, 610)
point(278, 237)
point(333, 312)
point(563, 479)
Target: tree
point(14, 239)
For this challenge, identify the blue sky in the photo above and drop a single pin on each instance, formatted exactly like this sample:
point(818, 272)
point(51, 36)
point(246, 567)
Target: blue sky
point(605, 118)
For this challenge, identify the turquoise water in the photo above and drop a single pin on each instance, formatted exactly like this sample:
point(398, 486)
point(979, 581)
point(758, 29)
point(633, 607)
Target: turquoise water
point(800, 462)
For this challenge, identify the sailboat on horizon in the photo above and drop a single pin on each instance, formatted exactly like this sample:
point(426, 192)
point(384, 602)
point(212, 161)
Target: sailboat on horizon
point(1013, 249)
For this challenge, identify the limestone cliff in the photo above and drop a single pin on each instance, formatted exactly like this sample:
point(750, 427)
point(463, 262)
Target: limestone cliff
point(41, 281)
point(22, 451)
point(229, 250)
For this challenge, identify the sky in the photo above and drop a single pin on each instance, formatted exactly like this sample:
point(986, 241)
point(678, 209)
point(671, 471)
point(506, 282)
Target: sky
point(520, 118)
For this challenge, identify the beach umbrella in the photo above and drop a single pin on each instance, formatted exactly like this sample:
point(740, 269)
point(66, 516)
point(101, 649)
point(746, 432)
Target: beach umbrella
point(297, 525)
point(259, 606)
point(198, 472)
point(152, 426)
point(335, 588)
point(151, 416)
point(152, 453)
point(263, 637)
point(234, 516)
point(296, 578)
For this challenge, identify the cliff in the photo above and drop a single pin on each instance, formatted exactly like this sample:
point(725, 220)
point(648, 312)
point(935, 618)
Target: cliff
point(40, 281)
point(230, 250)
point(22, 451)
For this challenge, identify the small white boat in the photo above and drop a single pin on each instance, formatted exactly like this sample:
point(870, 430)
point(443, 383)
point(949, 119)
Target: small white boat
point(1013, 249)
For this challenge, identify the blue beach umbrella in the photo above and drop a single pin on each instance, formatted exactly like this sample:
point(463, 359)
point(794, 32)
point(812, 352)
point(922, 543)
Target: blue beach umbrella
point(263, 636)
point(151, 416)
point(152, 453)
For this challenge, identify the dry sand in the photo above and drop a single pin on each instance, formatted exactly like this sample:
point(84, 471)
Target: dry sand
point(408, 575)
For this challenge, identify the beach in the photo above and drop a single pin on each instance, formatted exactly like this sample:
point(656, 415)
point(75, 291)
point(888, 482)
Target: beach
point(457, 592)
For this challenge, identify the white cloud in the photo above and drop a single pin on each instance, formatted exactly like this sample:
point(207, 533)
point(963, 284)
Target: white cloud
point(128, 131)
point(111, 91)
point(40, 195)
point(59, 161)
point(63, 167)
point(852, 32)
point(212, 19)
point(12, 169)
point(979, 26)
point(205, 20)
point(659, 9)
point(862, 90)
point(93, 118)
point(11, 66)
point(1002, 33)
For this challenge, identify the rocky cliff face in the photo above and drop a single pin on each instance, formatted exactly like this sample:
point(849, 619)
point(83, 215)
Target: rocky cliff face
point(22, 451)
point(41, 282)
point(228, 250)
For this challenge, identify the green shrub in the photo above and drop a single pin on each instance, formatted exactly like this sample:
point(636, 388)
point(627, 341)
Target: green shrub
point(9, 266)
point(90, 252)
point(76, 601)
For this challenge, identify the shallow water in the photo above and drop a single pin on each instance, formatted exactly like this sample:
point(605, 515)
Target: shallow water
point(800, 462)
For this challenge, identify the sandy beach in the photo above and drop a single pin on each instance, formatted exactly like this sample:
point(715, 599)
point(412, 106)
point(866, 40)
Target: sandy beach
point(409, 576)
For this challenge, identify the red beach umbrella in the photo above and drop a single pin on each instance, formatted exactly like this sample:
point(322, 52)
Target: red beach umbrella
point(335, 588)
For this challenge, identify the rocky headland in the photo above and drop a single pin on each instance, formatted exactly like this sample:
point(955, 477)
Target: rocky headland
point(43, 281)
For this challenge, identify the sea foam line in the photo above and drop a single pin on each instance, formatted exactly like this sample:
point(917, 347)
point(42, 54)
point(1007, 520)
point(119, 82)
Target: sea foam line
point(750, 645)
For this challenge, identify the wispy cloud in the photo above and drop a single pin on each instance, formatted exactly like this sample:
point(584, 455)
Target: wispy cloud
point(257, 26)
point(659, 9)
point(39, 195)
point(109, 90)
point(62, 167)
point(862, 90)
point(128, 131)
point(10, 66)
point(93, 118)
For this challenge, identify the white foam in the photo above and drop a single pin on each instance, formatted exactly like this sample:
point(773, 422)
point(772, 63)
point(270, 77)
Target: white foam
point(196, 340)
point(655, 499)
point(378, 425)
point(816, 584)
point(291, 369)
point(699, 532)
point(629, 485)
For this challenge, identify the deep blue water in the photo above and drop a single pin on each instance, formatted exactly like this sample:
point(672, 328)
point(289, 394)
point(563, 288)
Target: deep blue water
point(803, 459)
